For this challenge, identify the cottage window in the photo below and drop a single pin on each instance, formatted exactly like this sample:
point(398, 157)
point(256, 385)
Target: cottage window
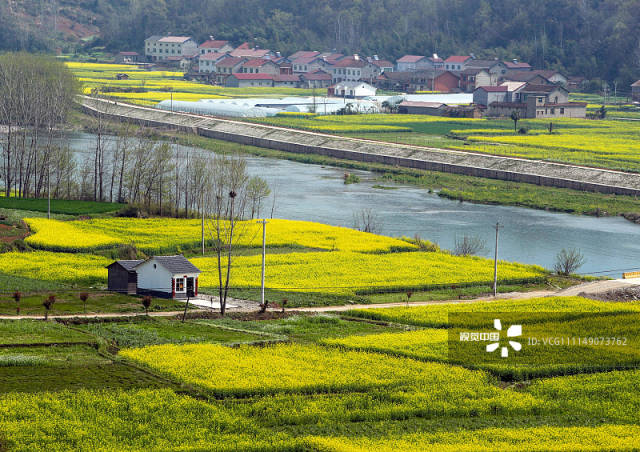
point(179, 284)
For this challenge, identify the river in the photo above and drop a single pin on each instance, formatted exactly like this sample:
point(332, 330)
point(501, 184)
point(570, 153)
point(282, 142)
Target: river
point(317, 193)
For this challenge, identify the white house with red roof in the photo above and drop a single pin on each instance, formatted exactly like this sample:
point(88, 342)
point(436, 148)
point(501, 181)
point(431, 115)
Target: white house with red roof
point(214, 46)
point(162, 48)
point(286, 80)
point(349, 69)
point(207, 62)
point(244, 52)
point(259, 66)
point(486, 95)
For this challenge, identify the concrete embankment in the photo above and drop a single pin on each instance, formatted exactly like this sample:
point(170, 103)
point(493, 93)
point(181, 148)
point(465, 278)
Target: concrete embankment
point(424, 158)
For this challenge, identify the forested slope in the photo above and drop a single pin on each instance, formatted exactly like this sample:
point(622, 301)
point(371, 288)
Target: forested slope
point(594, 38)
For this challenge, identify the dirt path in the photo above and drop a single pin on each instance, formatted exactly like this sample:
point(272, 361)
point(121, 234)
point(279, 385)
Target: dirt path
point(502, 296)
point(91, 316)
point(599, 287)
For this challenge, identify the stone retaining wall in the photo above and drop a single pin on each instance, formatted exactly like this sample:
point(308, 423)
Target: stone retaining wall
point(432, 159)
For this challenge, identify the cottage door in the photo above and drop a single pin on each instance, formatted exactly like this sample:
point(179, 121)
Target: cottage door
point(190, 288)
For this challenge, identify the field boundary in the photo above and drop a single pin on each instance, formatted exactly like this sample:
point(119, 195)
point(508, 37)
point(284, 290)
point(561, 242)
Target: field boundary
point(423, 158)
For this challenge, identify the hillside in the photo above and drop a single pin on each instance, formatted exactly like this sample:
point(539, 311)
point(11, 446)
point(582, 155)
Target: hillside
point(595, 38)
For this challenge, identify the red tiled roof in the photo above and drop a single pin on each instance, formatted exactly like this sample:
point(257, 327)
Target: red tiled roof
point(636, 83)
point(230, 61)
point(410, 58)
point(457, 59)
point(494, 89)
point(240, 76)
point(349, 62)
point(244, 45)
point(209, 44)
point(177, 39)
point(332, 57)
point(257, 62)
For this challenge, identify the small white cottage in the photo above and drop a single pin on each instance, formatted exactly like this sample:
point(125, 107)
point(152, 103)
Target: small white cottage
point(168, 277)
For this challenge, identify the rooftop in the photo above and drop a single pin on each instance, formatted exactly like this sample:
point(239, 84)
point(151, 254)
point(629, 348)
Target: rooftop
point(350, 62)
point(175, 264)
point(457, 59)
point(175, 39)
point(494, 89)
point(230, 61)
point(411, 58)
point(257, 62)
point(213, 44)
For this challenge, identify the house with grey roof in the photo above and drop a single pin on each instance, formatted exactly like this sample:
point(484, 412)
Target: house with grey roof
point(160, 276)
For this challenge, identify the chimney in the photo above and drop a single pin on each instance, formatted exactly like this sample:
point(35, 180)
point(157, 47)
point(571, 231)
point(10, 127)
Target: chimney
point(435, 56)
point(356, 56)
point(210, 38)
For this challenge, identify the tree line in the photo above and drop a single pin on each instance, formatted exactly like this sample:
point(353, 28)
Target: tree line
point(125, 162)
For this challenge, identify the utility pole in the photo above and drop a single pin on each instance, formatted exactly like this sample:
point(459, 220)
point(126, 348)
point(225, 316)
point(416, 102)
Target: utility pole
point(495, 264)
point(264, 252)
point(202, 224)
point(48, 190)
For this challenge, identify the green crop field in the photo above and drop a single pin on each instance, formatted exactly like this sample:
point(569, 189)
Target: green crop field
point(339, 385)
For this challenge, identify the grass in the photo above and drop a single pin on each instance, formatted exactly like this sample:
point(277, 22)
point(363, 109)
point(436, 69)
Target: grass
point(154, 331)
point(34, 331)
point(73, 367)
point(69, 302)
point(59, 206)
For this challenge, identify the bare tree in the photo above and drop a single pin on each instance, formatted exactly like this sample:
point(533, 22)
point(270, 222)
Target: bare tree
point(468, 246)
point(568, 261)
point(367, 220)
point(228, 202)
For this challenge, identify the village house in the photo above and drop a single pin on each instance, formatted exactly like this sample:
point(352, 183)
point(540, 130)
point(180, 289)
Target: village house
point(239, 80)
point(351, 90)
point(635, 91)
point(375, 67)
point(529, 100)
point(316, 79)
point(350, 69)
point(214, 46)
point(161, 48)
point(456, 62)
point(207, 62)
point(394, 81)
point(494, 68)
point(286, 80)
point(435, 80)
point(411, 63)
point(259, 66)
point(160, 276)
point(127, 58)
point(304, 54)
point(310, 64)
point(243, 51)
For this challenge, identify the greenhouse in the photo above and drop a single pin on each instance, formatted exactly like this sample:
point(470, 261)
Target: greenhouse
point(263, 107)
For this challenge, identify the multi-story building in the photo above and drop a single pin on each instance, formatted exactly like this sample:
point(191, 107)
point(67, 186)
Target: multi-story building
point(161, 48)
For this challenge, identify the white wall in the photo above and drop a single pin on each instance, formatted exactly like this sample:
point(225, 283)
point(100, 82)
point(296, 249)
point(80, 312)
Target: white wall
point(150, 278)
